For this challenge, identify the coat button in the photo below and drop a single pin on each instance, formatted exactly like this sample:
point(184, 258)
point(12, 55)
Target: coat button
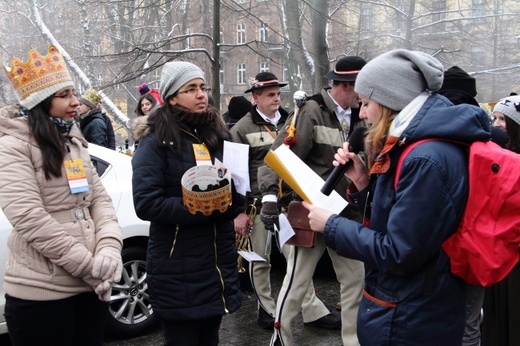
point(79, 214)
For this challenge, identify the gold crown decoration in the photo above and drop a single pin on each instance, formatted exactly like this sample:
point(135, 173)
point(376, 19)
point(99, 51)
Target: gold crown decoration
point(39, 77)
point(91, 98)
point(206, 188)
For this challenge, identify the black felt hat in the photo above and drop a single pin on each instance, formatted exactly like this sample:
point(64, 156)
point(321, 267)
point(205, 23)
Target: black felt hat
point(238, 107)
point(347, 69)
point(264, 80)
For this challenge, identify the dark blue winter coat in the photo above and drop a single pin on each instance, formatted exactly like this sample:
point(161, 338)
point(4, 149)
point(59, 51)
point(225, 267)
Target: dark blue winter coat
point(94, 128)
point(192, 259)
point(410, 297)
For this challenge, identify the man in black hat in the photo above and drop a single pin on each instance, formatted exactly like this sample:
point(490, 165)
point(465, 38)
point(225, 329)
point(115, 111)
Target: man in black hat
point(324, 122)
point(258, 129)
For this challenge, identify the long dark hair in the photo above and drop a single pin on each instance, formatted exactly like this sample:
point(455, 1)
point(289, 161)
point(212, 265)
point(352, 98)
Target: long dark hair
point(166, 124)
point(49, 139)
point(148, 97)
point(513, 132)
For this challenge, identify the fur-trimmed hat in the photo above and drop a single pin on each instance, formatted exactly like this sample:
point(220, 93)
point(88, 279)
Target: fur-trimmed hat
point(347, 69)
point(510, 107)
point(90, 98)
point(264, 80)
point(175, 74)
point(395, 78)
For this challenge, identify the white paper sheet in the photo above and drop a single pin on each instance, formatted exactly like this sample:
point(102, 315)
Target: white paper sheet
point(236, 159)
point(251, 256)
point(285, 232)
point(309, 181)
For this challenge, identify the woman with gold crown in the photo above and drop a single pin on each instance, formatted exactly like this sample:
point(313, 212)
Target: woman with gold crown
point(65, 245)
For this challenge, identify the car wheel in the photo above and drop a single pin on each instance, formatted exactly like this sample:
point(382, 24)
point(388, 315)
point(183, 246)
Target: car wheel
point(131, 313)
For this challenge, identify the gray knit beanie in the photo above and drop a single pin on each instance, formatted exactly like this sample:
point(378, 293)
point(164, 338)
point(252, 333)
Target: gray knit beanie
point(395, 78)
point(175, 74)
point(510, 107)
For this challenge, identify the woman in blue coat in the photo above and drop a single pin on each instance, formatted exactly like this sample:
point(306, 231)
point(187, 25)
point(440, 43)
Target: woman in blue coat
point(410, 296)
point(192, 260)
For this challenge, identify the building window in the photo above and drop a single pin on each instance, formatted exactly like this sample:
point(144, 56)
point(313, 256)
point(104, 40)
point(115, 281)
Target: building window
point(439, 14)
point(241, 33)
point(241, 73)
point(366, 19)
point(478, 9)
point(285, 73)
point(264, 66)
point(262, 32)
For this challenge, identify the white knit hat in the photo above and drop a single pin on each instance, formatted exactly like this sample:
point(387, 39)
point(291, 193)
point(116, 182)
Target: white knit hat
point(510, 107)
point(395, 78)
point(175, 74)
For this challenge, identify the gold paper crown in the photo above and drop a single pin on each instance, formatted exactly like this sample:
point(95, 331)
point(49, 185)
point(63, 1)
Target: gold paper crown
point(38, 78)
point(91, 98)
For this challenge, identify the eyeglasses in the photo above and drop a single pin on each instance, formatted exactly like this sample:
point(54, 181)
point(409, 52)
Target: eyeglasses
point(193, 91)
point(67, 95)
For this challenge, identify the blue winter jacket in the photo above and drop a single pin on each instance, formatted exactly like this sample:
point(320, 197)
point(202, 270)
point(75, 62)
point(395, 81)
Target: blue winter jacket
point(191, 259)
point(410, 297)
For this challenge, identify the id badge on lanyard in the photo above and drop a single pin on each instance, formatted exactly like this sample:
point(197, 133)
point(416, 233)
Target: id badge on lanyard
point(202, 156)
point(76, 176)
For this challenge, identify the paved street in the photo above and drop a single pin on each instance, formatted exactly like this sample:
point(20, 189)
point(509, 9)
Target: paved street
point(240, 328)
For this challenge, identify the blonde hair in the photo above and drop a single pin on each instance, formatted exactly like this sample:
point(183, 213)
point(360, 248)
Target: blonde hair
point(378, 133)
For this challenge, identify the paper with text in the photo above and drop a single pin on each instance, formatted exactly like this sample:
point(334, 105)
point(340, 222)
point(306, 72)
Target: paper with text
point(303, 180)
point(285, 232)
point(251, 256)
point(236, 159)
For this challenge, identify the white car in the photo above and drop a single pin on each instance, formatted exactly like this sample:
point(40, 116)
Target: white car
point(130, 311)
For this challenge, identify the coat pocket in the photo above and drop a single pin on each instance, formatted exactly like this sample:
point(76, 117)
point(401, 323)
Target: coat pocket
point(375, 319)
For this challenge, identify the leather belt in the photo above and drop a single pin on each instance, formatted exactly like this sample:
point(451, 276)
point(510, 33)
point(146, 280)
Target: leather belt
point(71, 215)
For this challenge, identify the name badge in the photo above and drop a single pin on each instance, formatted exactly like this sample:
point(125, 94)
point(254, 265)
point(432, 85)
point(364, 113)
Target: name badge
point(76, 175)
point(202, 156)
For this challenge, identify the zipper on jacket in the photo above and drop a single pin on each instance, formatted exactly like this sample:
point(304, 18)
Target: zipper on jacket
point(218, 269)
point(174, 240)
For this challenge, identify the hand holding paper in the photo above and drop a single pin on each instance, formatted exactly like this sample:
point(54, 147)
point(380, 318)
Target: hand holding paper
point(303, 180)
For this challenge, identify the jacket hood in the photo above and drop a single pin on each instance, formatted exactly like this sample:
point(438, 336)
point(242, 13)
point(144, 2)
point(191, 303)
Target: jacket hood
point(439, 118)
point(11, 125)
point(140, 127)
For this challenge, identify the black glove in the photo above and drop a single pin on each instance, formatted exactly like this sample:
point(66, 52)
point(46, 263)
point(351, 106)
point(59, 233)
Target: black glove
point(269, 215)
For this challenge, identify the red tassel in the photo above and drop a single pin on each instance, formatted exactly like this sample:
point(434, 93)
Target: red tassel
point(290, 139)
point(277, 325)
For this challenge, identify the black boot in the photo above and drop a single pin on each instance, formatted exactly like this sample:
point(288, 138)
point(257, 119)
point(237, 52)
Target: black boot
point(265, 320)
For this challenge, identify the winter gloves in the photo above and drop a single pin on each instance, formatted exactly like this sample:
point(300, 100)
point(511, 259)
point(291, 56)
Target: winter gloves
point(107, 267)
point(269, 215)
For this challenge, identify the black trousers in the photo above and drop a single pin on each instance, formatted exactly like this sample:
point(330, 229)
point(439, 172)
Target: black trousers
point(192, 333)
point(77, 320)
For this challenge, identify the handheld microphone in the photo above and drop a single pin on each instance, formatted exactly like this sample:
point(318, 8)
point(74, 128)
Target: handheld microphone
point(356, 144)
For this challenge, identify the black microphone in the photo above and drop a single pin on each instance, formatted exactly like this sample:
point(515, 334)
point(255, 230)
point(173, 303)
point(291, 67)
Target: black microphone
point(356, 143)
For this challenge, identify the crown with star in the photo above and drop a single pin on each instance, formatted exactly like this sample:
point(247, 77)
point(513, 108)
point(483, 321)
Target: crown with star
point(39, 77)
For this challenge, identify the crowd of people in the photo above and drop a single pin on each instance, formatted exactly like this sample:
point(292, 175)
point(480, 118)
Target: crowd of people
point(396, 286)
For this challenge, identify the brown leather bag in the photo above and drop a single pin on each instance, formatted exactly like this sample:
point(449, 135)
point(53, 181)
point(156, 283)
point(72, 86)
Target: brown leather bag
point(298, 217)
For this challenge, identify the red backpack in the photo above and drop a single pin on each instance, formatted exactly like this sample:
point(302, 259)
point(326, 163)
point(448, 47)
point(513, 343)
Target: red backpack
point(486, 245)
